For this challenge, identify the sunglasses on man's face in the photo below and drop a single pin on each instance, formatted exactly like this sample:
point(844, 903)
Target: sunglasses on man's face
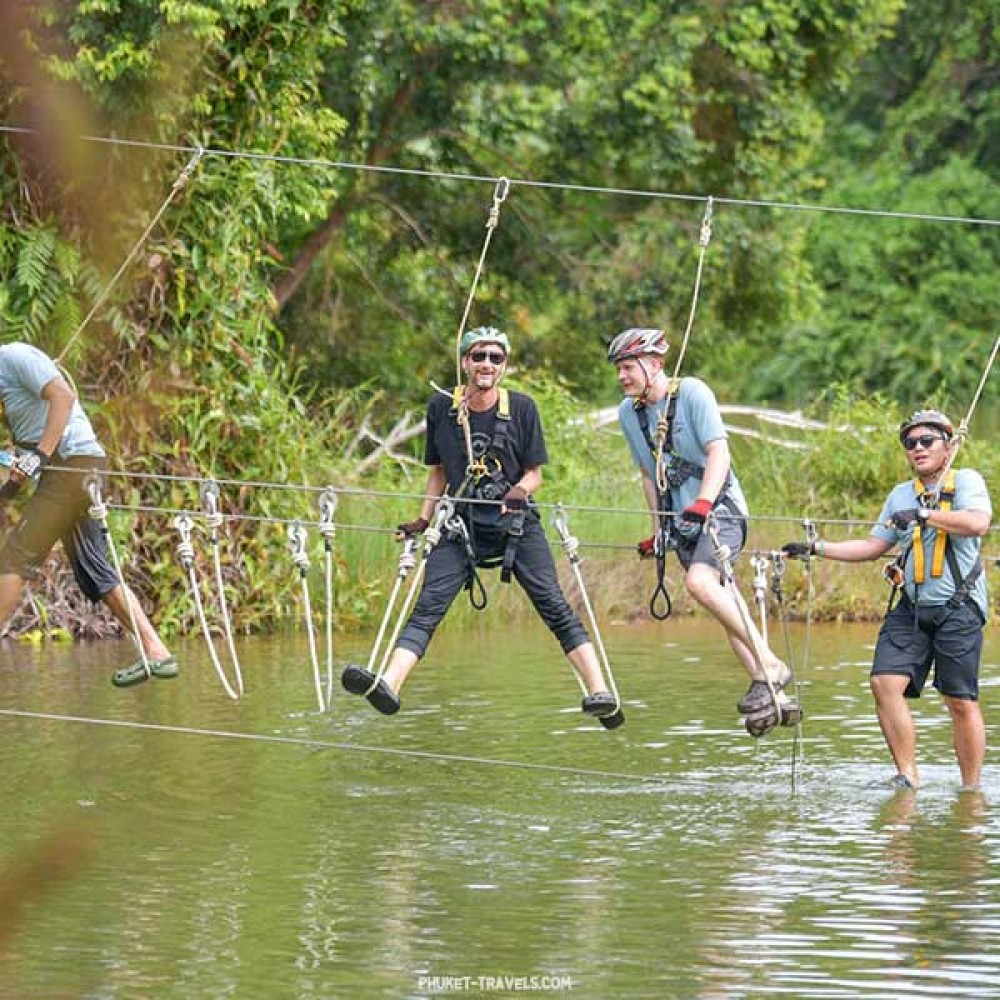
point(494, 357)
point(924, 440)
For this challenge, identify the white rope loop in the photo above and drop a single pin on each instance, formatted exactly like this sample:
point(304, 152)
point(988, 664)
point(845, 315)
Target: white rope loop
point(185, 550)
point(328, 530)
point(560, 520)
point(210, 496)
point(297, 537)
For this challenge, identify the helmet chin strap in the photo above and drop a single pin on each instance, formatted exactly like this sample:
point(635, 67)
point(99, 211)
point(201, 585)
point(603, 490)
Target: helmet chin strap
point(650, 382)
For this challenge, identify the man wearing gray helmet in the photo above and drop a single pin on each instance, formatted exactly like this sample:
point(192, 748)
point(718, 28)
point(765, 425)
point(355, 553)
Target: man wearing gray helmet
point(485, 449)
point(677, 438)
point(938, 519)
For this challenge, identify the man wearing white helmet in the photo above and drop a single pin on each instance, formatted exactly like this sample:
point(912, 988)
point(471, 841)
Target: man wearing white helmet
point(676, 435)
point(938, 519)
point(485, 446)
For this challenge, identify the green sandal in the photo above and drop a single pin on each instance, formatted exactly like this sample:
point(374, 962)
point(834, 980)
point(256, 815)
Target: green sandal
point(137, 673)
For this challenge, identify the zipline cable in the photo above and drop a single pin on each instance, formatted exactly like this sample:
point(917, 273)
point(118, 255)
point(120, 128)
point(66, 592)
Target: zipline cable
point(328, 164)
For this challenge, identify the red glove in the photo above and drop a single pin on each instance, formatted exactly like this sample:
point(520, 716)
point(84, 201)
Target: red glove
point(697, 512)
point(647, 547)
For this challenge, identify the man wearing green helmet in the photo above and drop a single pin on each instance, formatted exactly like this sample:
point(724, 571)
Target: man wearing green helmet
point(485, 448)
point(938, 518)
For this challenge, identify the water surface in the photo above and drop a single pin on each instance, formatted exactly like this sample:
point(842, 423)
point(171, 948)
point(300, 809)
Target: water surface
point(489, 830)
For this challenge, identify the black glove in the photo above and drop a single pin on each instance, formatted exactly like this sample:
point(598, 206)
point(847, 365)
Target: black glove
point(647, 547)
point(410, 528)
point(798, 550)
point(902, 519)
point(29, 463)
point(516, 498)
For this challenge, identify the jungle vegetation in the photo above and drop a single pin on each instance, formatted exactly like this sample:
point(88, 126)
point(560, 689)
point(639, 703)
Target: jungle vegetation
point(291, 306)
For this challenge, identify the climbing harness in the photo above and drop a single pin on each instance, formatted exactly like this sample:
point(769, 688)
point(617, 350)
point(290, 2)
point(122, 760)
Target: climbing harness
point(500, 192)
point(442, 518)
point(782, 710)
point(99, 512)
point(940, 497)
point(328, 530)
point(185, 555)
point(560, 521)
point(179, 184)
point(297, 538)
point(209, 492)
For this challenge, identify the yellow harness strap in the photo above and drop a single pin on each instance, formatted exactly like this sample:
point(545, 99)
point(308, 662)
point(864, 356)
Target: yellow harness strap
point(503, 402)
point(940, 540)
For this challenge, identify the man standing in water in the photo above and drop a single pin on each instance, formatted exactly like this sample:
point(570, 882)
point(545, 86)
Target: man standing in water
point(47, 424)
point(938, 519)
point(677, 438)
point(485, 446)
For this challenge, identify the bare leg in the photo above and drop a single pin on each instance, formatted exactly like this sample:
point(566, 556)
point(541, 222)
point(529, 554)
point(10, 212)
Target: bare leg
point(896, 722)
point(969, 737)
point(118, 602)
point(584, 660)
point(11, 587)
point(705, 585)
point(401, 663)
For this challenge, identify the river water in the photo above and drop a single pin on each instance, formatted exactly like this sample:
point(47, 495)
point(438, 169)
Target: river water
point(166, 842)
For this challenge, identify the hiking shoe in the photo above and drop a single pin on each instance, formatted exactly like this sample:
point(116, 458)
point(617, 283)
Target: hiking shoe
point(600, 703)
point(612, 721)
point(761, 722)
point(759, 694)
point(380, 696)
point(137, 672)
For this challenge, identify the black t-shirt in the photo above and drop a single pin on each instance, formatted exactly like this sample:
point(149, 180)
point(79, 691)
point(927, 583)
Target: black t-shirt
point(523, 444)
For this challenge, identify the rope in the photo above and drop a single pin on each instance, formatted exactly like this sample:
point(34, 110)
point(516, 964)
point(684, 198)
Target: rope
point(179, 184)
point(500, 193)
point(963, 427)
point(297, 546)
point(561, 523)
point(704, 238)
point(528, 182)
point(185, 555)
point(328, 529)
point(330, 745)
point(213, 520)
point(99, 512)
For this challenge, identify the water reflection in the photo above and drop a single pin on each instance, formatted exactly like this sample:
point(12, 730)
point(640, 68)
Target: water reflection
point(254, 869)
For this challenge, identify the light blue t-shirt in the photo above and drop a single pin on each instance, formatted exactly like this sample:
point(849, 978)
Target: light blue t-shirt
point(24, 373)
point(970, 494)
point(697, 422)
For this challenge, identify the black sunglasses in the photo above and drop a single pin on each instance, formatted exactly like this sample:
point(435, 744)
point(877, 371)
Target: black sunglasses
point(494, 357)
point(924, 440)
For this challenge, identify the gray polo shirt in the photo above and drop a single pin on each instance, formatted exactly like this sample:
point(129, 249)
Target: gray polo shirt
point(970, 494)
point(24, 373)
point(697, 422)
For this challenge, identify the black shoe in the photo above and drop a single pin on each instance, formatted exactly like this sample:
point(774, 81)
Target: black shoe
point(900, 781)
point(357, 680)
point(612, 721)
point(599, 703)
